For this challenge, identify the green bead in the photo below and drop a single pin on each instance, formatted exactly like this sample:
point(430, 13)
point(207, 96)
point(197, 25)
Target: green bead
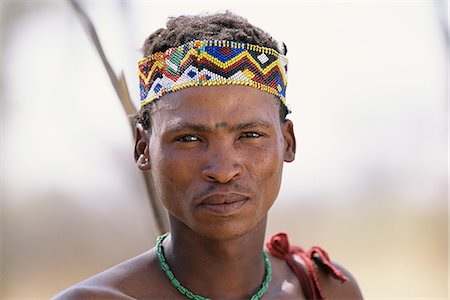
point(170, 274)
point(189, 294)
point(182, 290)
point(175, 282)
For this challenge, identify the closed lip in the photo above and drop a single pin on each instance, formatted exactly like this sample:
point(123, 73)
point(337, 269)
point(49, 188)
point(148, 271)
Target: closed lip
point(222, 198)
point(223, 204)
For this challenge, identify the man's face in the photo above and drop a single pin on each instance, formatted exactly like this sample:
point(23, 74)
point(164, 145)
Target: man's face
point(216, 155)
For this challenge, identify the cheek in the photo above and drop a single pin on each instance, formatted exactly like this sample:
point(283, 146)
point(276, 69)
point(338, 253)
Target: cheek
point(268, 159)
point(172, 176)
point(266, 170)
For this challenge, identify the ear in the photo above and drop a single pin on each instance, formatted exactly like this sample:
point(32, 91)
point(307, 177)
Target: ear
point(289, 140)
point(141, 152)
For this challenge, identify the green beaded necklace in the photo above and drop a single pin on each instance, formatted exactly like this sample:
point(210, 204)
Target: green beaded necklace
point(191, 295)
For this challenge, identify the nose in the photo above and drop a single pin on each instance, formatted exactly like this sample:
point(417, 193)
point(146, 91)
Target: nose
point(223, 166)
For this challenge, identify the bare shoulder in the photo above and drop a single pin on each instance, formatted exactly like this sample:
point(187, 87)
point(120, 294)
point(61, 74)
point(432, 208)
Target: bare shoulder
point(82, 291)
point(133, 279)
point(335, 289)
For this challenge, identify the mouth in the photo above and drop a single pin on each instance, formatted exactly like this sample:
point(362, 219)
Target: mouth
point(223, 204)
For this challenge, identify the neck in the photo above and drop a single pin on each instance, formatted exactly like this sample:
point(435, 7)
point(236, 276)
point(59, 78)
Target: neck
point(217, 268)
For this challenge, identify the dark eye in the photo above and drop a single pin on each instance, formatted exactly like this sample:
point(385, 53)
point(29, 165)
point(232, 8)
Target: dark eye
point(250, 135)
point(187, 139)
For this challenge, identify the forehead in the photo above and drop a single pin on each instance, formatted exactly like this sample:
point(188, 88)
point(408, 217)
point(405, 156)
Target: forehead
point(212, 104)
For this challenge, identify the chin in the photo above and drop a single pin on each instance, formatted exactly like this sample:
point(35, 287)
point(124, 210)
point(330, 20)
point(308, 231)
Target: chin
point(229, 229)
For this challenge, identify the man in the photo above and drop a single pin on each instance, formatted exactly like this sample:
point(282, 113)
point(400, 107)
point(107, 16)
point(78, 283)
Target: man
point(213, 132)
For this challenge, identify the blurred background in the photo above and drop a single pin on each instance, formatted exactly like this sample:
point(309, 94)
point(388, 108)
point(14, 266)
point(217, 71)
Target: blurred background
point(368, 87)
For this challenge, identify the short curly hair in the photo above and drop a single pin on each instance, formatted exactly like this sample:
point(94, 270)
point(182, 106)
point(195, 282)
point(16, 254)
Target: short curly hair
point(219, 26)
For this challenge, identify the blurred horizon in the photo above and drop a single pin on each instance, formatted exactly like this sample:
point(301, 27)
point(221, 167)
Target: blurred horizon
point(368, 87)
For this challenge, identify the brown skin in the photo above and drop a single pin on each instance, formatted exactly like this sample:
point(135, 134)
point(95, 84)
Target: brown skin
point(216, 155)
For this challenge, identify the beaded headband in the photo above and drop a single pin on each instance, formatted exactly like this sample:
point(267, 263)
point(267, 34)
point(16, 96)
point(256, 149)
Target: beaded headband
point(212, 62)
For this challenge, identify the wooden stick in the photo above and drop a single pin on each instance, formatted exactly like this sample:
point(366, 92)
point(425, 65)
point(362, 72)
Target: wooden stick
point(121, 88)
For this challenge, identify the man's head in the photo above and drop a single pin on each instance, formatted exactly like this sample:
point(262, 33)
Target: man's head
point(215, 152)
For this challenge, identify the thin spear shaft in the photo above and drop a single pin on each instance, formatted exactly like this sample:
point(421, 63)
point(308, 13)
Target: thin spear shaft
point(120, 86)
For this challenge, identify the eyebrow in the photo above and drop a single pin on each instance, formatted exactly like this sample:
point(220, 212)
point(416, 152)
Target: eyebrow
point(188, 126)
point(251, 124)
point(203, 128)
